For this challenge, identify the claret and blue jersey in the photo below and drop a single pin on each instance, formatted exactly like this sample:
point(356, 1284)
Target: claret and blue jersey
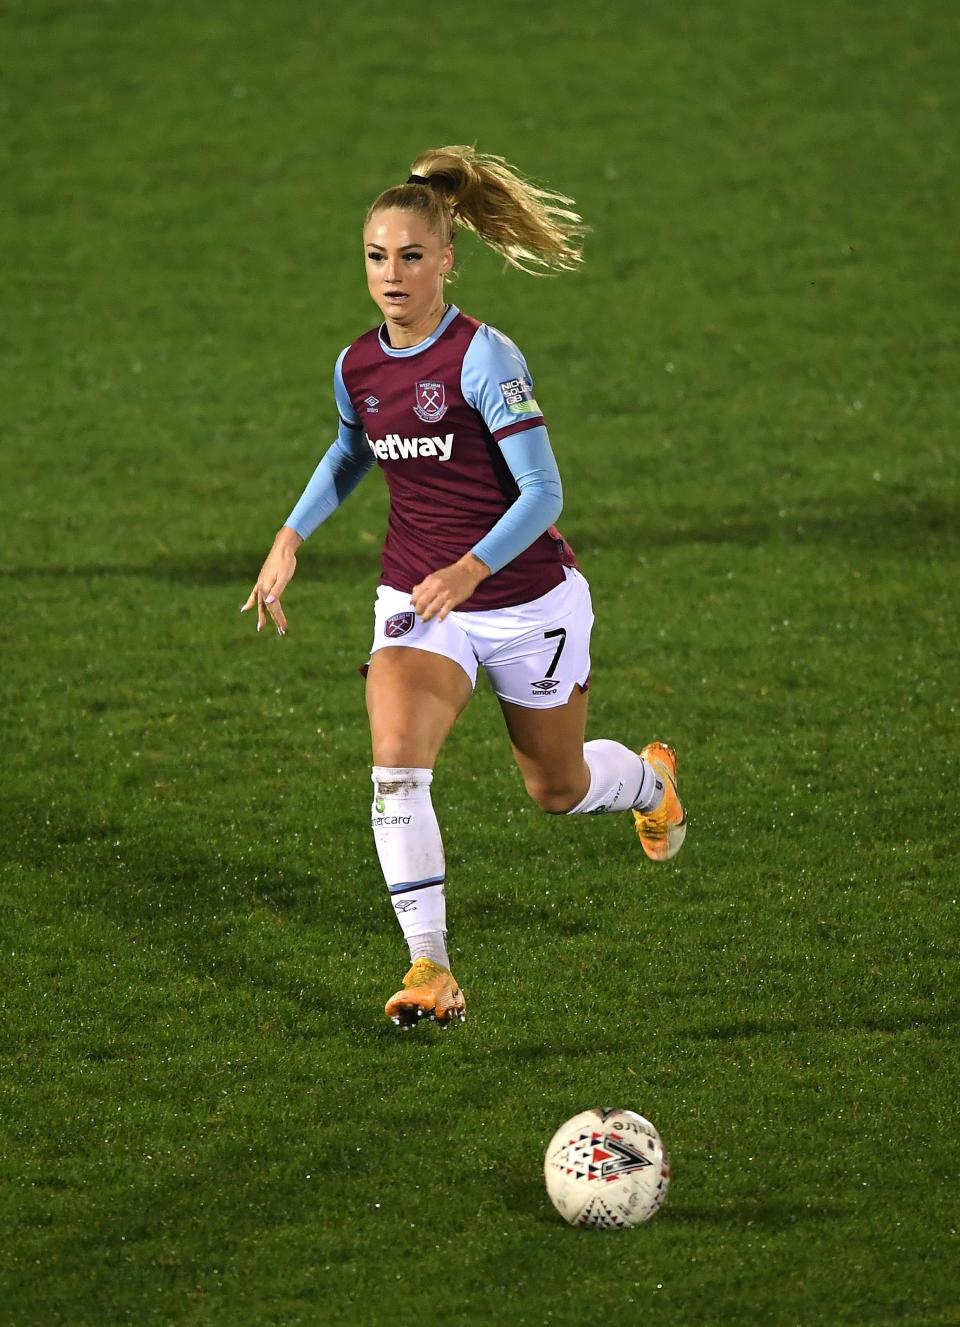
point(454, 425)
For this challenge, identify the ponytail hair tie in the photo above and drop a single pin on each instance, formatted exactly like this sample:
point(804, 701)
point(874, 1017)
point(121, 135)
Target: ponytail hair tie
point(418, 179)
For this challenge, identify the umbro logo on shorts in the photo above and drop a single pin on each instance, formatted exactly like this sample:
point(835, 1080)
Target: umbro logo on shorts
point(546, 686)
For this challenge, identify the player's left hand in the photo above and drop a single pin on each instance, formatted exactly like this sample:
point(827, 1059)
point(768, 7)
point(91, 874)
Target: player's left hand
point(439, 593)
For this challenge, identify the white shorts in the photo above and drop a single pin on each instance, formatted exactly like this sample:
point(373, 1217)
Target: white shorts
point(534, 653)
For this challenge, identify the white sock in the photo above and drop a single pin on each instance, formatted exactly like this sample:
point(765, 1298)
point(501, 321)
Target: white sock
point(410, 849)
point(619, 780)
point(431, 945)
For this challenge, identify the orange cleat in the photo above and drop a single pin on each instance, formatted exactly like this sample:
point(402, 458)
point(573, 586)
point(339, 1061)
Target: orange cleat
point(662, 831)
point(429, 991)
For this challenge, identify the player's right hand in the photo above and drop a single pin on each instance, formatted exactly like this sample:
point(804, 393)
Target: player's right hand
point(275, 575)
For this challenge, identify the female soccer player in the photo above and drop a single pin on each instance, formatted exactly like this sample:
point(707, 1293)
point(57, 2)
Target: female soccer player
point(473, 569)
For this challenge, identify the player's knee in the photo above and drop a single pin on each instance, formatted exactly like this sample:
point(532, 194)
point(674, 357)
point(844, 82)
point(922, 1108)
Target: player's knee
point(397, 751)
point(556, 797)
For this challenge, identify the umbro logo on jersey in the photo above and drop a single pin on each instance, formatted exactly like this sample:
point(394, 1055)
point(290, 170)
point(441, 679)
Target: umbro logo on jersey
point(395, 448)
point(371, 402)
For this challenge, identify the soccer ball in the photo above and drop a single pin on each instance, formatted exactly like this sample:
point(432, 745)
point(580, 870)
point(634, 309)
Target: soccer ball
point(607, 1169)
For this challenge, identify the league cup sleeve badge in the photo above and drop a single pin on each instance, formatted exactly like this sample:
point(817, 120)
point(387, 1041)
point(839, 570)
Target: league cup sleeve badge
point(517, 396)
point(431, 402)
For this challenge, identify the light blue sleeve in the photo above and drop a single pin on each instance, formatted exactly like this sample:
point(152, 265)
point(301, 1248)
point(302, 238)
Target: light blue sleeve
point(495, 380)
point(346, 461)
point(348, 415)
point(532, 464)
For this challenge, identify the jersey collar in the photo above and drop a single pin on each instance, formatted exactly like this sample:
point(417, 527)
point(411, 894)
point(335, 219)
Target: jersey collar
point(406, 351)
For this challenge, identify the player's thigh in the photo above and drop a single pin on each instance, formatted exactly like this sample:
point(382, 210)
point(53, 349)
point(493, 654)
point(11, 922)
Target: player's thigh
point(548, 748)
point(413, 700)
point(421, 676)
point(539, 667)
point(535, 654)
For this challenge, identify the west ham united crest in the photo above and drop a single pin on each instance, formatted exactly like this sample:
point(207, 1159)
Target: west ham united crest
point(398, 625)
point(431, 403)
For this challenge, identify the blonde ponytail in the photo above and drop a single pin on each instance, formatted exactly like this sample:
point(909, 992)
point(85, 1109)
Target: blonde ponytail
point(535, 229)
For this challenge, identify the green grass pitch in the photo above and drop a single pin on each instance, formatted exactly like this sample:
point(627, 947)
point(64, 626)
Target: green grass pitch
point(751, 389)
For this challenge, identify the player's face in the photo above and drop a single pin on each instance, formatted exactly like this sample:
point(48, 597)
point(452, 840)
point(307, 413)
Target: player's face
point(406, 264)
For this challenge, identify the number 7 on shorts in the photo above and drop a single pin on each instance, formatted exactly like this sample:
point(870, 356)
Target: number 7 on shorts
point(547, 635)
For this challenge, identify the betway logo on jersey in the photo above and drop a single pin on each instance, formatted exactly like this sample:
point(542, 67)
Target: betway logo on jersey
point(395, 448)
